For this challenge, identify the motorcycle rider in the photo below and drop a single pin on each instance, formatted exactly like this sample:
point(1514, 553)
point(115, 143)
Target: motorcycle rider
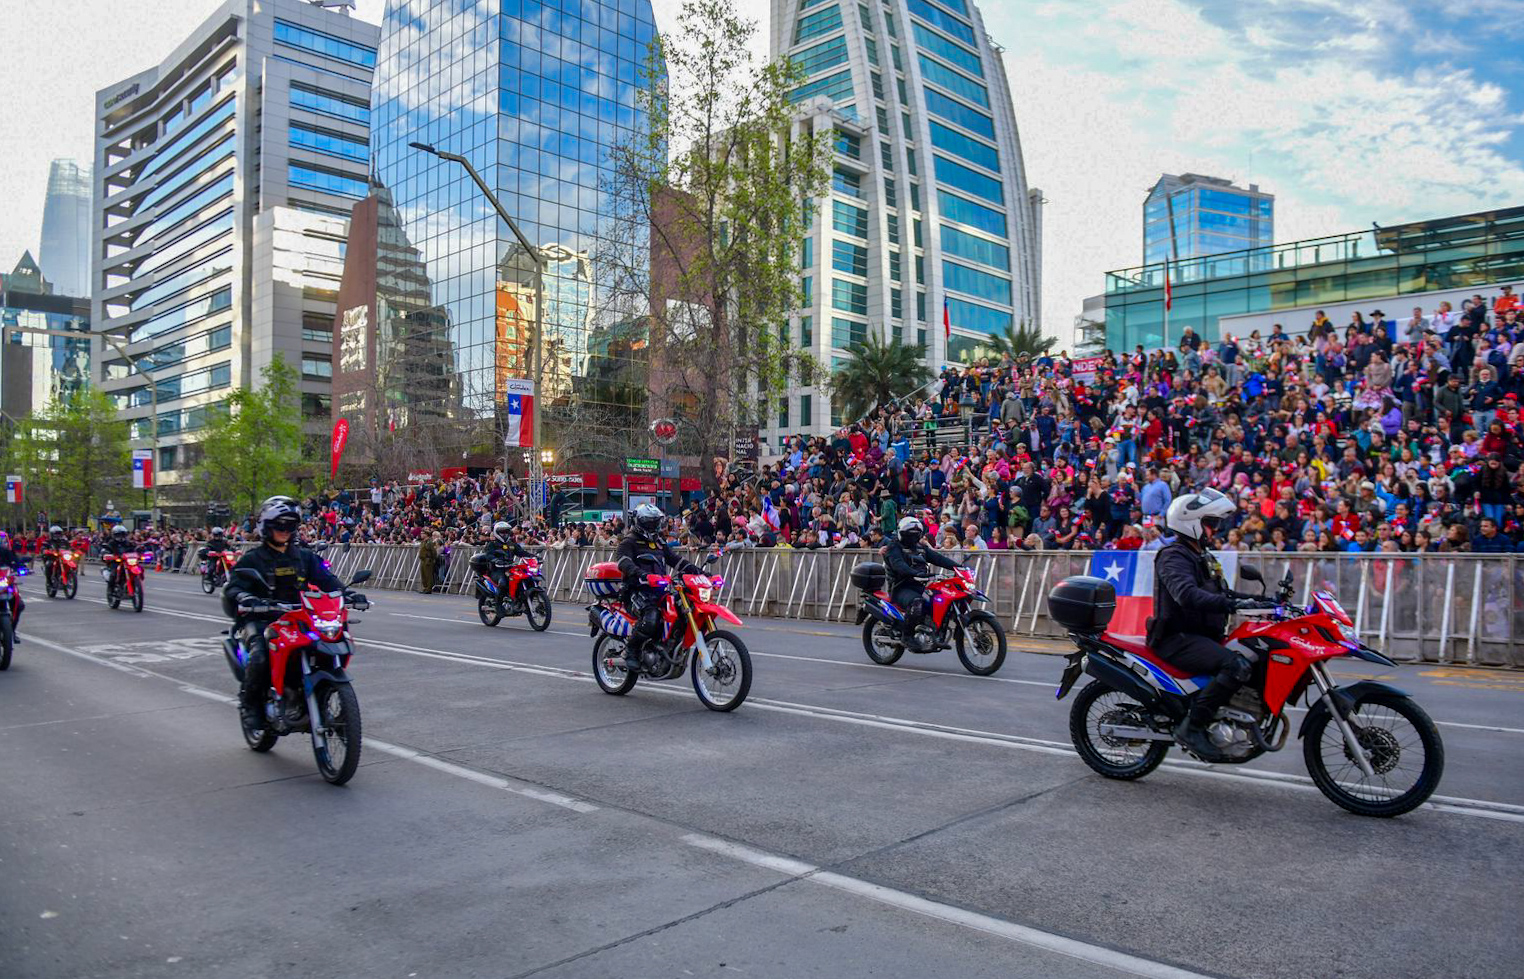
point(10, 559)
point(908, 561)
point(216, 546)
point(287, 567)
point(1192, 602)
point(57, 541)
point(502, 549)
point(116, 544)
point(642, 552)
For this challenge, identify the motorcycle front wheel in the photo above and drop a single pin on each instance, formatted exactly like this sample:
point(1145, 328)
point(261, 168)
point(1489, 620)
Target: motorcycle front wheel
point(137, 598)
point(113, 597)
point(337, 746)
point(725, 684)
point(537, 610)
point(882, 642)
point(71, 586)
point(981, 646)
point(1404, 749)
point(1112, 757)
point(51, 586)
point(207, 584)
point(608, 666)
point(487, 611)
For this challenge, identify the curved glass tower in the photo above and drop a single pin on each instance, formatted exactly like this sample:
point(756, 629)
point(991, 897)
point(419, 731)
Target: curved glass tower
point(929, 208)
point(535, 95)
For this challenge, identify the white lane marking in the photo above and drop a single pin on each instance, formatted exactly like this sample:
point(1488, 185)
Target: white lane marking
point(1471, 807)
point(86, 656)
point(1072, 948)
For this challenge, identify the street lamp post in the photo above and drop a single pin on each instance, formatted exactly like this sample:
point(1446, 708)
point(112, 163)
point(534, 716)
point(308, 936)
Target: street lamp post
point(538, 258)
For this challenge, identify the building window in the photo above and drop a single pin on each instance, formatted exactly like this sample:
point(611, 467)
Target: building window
point(983, 285)
point(960, 177)
point(960, 85)
point(329, 104)
point(807, 253)
point(327, 181)
point(891, 198)
point(818, 23)
point(834, 87)
point(959, 114)
point(942, 21)
point(316, 368)
point(807, 287)
point(947, 50)
point(849, 219)
point(783, 412)
point(849, 145)
point(324, 44)
point(316, 405)
point(982, 250)
point(964, 147)
point(957, 209)
point(972, 316)
point(847, 333)
point(220, 339)
point(827, 54)
point(847, 182)
point(167, 458)
point(896, 303)
point(334, 144)
point(849, 297)
point(894, 266)
point(849, 258)
point(806, 332)
point(806, 410)
point(892, 222)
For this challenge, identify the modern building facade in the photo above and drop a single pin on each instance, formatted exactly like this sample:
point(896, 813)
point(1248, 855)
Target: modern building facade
point(65, 252)
point(1393, 269)
point(1188, 215)
point(35, 368)
point(928, 208)
point(224, 176)
point(535, 95)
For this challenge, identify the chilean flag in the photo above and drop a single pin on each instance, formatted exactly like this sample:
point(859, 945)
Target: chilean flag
point(1131, 573)
point(769, 512)
point(946, 321)
point(520, 406)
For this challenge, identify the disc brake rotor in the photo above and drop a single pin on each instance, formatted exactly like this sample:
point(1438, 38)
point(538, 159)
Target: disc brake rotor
point(1118, 718)
point(1382, 747)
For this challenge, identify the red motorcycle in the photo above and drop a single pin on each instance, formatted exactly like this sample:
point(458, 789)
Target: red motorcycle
point(215, 569)
point(61, 572)
point(125, 579)
point(951, 621)
point(310, 649)
point(720, 662)
point(1368, 747)
point(525, 593)
point(10, 604)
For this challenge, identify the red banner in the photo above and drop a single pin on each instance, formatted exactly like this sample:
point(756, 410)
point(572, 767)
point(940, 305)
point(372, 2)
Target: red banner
point(340, 437)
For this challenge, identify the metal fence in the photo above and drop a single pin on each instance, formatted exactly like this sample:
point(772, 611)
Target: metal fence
point(1433, 608)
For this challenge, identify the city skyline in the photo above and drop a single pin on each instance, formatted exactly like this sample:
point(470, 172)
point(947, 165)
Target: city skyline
point(1114, 94)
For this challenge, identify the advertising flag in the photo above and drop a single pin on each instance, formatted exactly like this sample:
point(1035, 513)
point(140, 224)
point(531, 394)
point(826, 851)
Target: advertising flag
point(13, 489)
point(520, 406)
point(142, 469)
point(338, 440)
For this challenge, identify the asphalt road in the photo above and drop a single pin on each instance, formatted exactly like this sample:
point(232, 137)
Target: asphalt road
point(850, 820)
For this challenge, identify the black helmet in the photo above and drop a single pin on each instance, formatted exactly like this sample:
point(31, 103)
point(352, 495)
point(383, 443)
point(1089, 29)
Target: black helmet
point(647, 520)
point(278, 513)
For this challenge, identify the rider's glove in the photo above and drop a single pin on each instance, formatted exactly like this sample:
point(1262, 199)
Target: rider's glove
point(359, 602)
point(1239, 604)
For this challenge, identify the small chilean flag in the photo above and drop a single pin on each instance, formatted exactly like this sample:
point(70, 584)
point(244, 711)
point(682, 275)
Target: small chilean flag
point(946, 321)
point(1168, 294)
point(1132, 574)
point(13, 489)
point(520, 414)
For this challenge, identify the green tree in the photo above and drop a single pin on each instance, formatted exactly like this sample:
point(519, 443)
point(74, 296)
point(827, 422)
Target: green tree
point(251, 449)
point(706, 223)
point(1021, 339)
point(72, 456)
point(875, 373)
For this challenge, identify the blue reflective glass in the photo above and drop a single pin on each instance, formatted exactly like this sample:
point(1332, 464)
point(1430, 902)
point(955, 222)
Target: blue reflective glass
point(846, 334)
point(939, 74)
point(956, 6)
point(1221, 200)
point(965, 245)
point(210, 267)
point(956, 112)
point(961, 278)
point(849, 219)
point(332, 183)
point(324, 44)
point(817, 23)
point(957, 209)
point(189, 312)
point(960, 177)
point(942, 20)
point(210, 157)
point(849, 258)
point(327, 103)
point(963, 146)
point(210, 194)
point(165, 255)
point(330, 143)
point(826, 54)
point(849, 297)
point(947, 50)
point(174, 147)
point(971, 316)
point(847, 182)
point(834, 87)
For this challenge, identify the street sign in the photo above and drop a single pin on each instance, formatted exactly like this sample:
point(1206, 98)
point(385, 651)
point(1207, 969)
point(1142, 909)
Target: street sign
point(664, 430)
point(642, 467)
point(670, 469)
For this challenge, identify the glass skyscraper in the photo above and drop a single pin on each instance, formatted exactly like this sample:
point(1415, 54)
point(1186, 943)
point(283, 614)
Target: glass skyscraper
point(536, 95)
point(65, 252)
point(928, 208)
point(1188, 216)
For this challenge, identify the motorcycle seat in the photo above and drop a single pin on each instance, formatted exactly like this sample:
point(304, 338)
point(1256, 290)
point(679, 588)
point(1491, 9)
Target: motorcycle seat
point(1142, 651)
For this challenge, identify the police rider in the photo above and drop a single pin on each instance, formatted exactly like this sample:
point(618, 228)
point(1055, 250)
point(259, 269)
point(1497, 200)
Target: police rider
point(288, 568)
point(642, 552)
point(502, 549)
point(10, 559)
point(1192, 602)
point(116, 545)
point(908, 561)
point(57, 541)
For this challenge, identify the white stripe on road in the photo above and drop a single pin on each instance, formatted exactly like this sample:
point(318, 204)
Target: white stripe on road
point(1100, 955)
point(1472, 807)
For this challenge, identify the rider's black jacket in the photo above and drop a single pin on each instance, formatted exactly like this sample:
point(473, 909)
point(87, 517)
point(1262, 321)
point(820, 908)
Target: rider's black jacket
point(909, 564)
point(289, 571)
point(1191, 597)
point(117, 547)
point(637, 556)
point(502, 553)
point(217, 545)
point(58, 542)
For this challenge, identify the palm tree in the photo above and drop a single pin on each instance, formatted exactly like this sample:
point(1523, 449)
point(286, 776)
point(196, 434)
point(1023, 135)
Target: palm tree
point(1021, 339)
point(877, 372)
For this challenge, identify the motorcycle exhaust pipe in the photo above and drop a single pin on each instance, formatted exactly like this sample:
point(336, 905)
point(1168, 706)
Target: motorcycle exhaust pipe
point(1121, 679)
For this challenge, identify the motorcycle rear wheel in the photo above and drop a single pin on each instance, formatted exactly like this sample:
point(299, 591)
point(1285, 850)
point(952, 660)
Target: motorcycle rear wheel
point(987, 656)
point(537, 610)
point(7, 643)
point(1390, 727)
point(882, 642)
point(724, 688)
point(608, 666)
point(487, 611)
point(260, 739)
point(339, 756)
point(1112, 758)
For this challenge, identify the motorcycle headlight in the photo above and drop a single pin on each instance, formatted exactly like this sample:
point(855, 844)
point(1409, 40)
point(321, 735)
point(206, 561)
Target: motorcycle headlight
point(704, 593)
point(330, 628)
point(132, 561)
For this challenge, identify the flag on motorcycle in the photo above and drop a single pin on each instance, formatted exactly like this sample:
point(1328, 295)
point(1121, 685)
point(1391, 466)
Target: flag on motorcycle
point(1131, 573)
point(520, 410)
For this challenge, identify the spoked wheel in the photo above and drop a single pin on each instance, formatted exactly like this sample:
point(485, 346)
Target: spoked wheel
point(725, 684)
point(1402, 744)
point(52, 585)
point(70, 585)
point(882, 642)
point(487, 609)
point(537, 610)
point(337, 744)
point(608, 666)
point(1113, 757)
point(137, 598)
point(259, 739)
point(207, 584)
point(981, 646)
point(113, 597)
point(7, 643)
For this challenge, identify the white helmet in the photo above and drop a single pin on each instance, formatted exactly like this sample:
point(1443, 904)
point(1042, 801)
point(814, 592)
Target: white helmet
point(55, 529)
point(119, 531)
point(502, 530)
point(216, 531)
point(913, 527)
point(1196, 515)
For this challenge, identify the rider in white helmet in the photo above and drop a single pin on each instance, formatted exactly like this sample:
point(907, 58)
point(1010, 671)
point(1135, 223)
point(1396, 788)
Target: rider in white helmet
point(1192, 602)
point(502, 549)
point(908, 561)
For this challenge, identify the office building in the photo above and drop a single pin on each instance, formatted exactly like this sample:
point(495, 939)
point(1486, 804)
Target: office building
point(536, 98)
point(928, 207)
point(1188, 215)
point(65, 252)
point(224, 177)
point(35, 368)
point(1392, 269)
